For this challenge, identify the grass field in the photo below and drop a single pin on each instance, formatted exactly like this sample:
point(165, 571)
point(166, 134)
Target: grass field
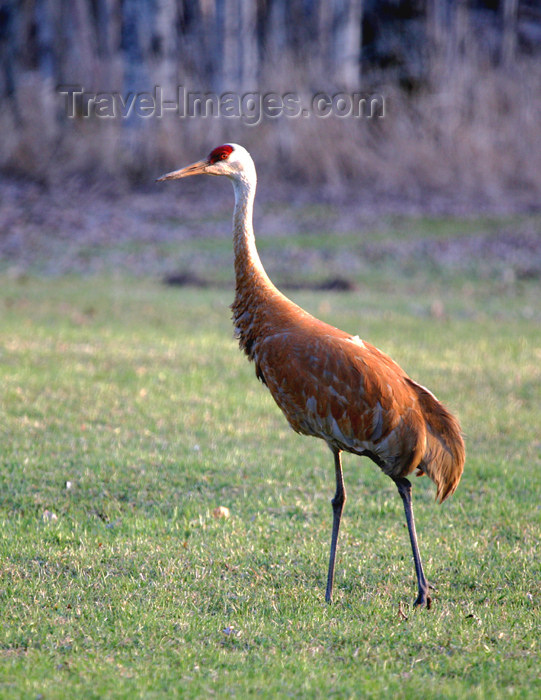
point(128, 415)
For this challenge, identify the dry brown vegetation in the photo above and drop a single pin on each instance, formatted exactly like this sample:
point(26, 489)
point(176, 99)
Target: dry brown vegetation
point(470, 141)
point(462, 98)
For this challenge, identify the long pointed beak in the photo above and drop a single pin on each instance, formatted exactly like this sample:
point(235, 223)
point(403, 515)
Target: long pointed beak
point(198, 168)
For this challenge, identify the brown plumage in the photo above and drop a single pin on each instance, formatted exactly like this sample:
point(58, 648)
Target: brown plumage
point(329, 384)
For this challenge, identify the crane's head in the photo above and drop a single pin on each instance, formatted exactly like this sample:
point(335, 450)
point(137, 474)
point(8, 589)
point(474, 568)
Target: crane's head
point(231, 160)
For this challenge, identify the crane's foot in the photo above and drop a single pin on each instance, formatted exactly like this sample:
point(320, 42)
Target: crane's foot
point(423, 600)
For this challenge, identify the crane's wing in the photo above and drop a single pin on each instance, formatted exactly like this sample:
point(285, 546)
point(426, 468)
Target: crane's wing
point(345, 391)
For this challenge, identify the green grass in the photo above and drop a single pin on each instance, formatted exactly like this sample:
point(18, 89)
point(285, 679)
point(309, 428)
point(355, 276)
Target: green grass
point(137, 395)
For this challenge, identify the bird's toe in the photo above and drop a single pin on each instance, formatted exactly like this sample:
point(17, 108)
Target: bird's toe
point(423, 601)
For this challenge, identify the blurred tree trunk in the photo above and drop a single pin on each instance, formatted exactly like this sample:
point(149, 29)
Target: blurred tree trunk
point(236, 63)
point(439, 23)
point(276, 35)
point(447, 33)
point(509, 30)
point(339, 41)
point(137, 20)
point(248, 49)
point(346, 38)
point(45, 37)
point(165, 45)
point(8, 48)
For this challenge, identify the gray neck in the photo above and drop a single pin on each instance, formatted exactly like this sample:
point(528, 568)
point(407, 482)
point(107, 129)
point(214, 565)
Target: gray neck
point(248, 266)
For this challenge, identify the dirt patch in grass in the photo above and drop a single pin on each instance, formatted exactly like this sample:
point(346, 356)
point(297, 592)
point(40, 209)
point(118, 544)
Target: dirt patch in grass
point(516, 251)
point(91, 231)
point(190, 279)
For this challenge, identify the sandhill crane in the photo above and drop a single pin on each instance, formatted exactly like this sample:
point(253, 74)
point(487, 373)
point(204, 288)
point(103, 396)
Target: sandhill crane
point(328, 383)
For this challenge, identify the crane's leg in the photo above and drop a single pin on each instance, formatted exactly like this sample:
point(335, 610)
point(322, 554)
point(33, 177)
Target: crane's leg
point(404, 489)
point(337, 507)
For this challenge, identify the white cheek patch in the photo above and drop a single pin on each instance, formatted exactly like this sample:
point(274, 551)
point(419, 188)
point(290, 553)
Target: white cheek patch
point(238, 155)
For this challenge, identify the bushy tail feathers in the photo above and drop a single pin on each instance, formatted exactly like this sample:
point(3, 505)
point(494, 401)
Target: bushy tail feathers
point(445, 453)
